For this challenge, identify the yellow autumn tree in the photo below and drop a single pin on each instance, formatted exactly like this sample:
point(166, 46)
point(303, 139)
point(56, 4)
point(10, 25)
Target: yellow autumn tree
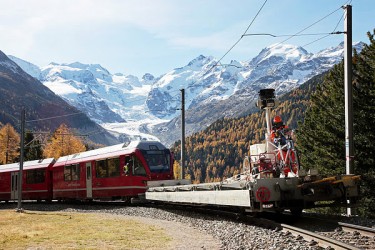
point(62, 143)
point(9, 144)
point(176, 170)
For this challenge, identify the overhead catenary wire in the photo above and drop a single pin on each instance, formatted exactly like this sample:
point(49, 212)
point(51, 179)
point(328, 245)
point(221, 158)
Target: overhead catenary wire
point(54, 117)
point(235, 44)
point(334, 32)
point(299, 33)
point(309, 26)
point(202, 75)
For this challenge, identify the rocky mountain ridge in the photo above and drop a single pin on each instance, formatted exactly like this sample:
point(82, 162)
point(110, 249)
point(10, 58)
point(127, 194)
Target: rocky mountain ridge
point(45, 110)
point(127, 104)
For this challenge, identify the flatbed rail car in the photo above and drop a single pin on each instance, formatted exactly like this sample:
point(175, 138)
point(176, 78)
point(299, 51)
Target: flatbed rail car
point(276, 194)
point(271, 179)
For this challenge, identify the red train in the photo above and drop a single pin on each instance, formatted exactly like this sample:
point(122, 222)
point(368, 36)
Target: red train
point(115, 172)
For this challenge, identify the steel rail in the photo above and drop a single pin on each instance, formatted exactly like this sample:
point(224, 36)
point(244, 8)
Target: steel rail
point(367, 231)
point(321, 240)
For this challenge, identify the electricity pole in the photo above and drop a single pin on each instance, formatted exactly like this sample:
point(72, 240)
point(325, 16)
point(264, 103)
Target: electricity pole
point(7, 147)
point(348, 91)
point(182, 133)
point(19, 207)
point(349, 146)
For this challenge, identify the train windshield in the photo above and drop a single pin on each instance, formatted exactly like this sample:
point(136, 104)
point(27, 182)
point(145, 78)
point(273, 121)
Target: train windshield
point(157, 160)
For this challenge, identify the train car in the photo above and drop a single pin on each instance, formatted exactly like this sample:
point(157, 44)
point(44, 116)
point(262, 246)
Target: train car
point(116, 172)
point(36, 180)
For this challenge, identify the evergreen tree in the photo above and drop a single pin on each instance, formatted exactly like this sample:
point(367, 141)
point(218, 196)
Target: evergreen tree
point(321, 138)
point(33, 148)
point(63, 142)
point(364, 133)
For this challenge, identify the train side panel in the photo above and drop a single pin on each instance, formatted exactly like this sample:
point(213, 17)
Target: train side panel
point(103, 178)
point(68, 181)
point(5, 186)
point(36, 181)
point(111, 179)
point(37, 184)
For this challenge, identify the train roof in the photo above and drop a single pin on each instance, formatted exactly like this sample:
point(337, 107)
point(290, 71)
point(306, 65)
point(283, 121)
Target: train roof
point(110, 151)
point(27, 165)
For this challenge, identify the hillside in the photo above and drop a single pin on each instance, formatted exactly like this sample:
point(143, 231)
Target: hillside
point(218, 151)
point(19, 90)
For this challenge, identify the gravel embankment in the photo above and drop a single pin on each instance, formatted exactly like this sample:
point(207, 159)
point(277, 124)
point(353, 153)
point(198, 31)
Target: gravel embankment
point(191, 230)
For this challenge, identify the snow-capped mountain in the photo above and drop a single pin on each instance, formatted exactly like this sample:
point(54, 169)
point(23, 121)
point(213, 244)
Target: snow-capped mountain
point(19, 90)
point(129, 105)
point(230, 90)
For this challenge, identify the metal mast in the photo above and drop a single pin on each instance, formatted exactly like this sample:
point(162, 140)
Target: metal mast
point(349, 146)
point(348, 91)
point(182, 133)
point(19, 206)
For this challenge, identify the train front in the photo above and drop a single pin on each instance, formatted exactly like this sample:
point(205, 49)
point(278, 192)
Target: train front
point(159, 160)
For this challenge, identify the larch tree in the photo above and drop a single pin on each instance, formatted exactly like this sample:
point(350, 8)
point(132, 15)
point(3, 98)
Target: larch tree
point(9, 144)
point(63, 142)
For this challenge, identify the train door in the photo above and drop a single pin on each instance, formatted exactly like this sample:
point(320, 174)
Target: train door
point(139, 175)
point(88, 180)
point(14, 186)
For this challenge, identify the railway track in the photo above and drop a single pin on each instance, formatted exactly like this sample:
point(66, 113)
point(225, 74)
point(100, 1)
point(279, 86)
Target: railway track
point(331, 235)
point(352, 235)
point(367, 231)
point(358, 236)
point(315, 238)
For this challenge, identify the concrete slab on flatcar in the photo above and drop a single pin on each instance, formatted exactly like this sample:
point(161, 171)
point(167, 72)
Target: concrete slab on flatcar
point(167, 183)
point(240, 198)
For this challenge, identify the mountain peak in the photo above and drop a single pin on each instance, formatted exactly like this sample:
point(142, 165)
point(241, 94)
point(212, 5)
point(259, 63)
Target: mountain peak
point(284, 51)
point(199, 61)
point(148, 77)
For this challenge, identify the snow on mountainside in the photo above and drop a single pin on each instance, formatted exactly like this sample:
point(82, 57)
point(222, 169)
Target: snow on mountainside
point(28, 67)
point(132, 106)
point(117, 102)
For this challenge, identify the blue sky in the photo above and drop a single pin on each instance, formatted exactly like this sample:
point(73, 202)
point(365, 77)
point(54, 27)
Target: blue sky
point(155, 36)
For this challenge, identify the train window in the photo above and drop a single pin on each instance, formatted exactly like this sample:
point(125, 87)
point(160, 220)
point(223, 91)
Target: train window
point(100, 168)
point(108, 168)
point(113, 167)
point(35, 176)
point(72, 172)
point(138, 168)
point(158, 160)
